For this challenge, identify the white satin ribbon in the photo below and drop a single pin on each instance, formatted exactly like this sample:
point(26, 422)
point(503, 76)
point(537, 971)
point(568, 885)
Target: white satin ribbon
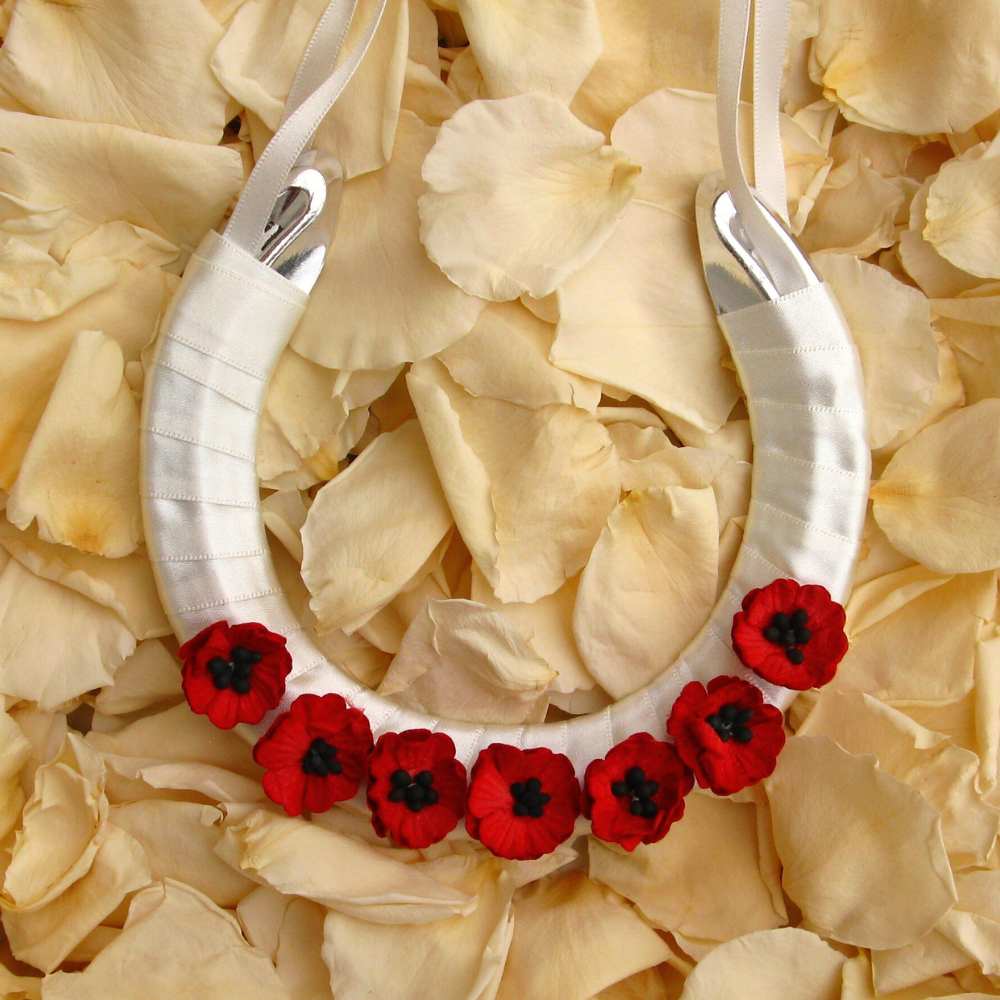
point(770, 42)
point(303, 115)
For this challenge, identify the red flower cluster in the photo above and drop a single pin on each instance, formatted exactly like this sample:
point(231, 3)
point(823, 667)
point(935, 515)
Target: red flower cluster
point(234, 673)
point(315, 754)
point(416, 787)
point(522, 803)
point(636, 793)
point(726, 733)
point(790, 634)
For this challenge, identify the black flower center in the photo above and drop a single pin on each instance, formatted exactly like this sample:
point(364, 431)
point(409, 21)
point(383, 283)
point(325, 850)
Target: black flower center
point(321, 759)
point(731, 723)
point(529, 799)
point(639, 793)
point(414, 790)
point(790, 632)
point(235, 672)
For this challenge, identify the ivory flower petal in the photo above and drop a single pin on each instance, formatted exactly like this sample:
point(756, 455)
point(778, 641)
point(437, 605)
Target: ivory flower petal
point(529, 489)
point(34, 352)
point(549, 623)
point(462, 658)
point(930, 623)
point(34, 285)
point(873, 892)
point(648, 587)
point(361, 127)
point(192, 941)
point(92, 174)
point(124, 586)
point(150, 676)
point(521, 195)
point(303, 859)
point(68, 869)
point(521, 46)
point(506, 356)
point(902, 68)
point(54, 644)
point(573, 938)
point(708, 878)
point(178, 838)
point(417, 310)
point(263, 45)
point(891, 326)
point(142, 64)
point(463, 956)
point(943, 773)
point(856, 210)
point(937, 499)
point(45, 937)
point(787, 962)
point(646, 47)
point(79, 476)
point(971, 324)
point(963, 213)
point(358, 551)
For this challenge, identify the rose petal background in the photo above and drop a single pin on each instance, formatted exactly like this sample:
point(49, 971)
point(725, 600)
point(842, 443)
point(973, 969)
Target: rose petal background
point(505, 468)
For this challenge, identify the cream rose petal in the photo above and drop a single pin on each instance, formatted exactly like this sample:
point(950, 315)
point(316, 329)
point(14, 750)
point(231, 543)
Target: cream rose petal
point(34, 285)
point(963, 213)
point(856, 210)
point(971, 324)
point(34, 352)
point(521, 46)
point(416, 310)
point(103, 173)
point(302, 859)
point(506, 356)
point(572, 938)
point(467, 661)
point(521, 195)
point(79, 476)
point(891, 326)
point(263, 45)
point(930, 623)
point(708, 878)
point(648, 587)
point(150, 676)
point(138, 63)
point(358, 551)
point(462, 956)
point(902, 68)
point(46, 936)
point(787, 962)
point(361, 127)
point(938, 499)
point(945, 774)
point(862, 854)
point(529, 489)
point(647, 47)
point(178, 838)
point(125, 586)
point(54, 644)
point(174, 936)
point(549, 623)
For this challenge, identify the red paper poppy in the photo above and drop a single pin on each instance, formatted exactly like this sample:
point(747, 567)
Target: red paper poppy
point(790, 634)
point(234, 673)
point(726, 734)
point(637, 792)
point(315, 754)
point(416, 787)
point(522, 803)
